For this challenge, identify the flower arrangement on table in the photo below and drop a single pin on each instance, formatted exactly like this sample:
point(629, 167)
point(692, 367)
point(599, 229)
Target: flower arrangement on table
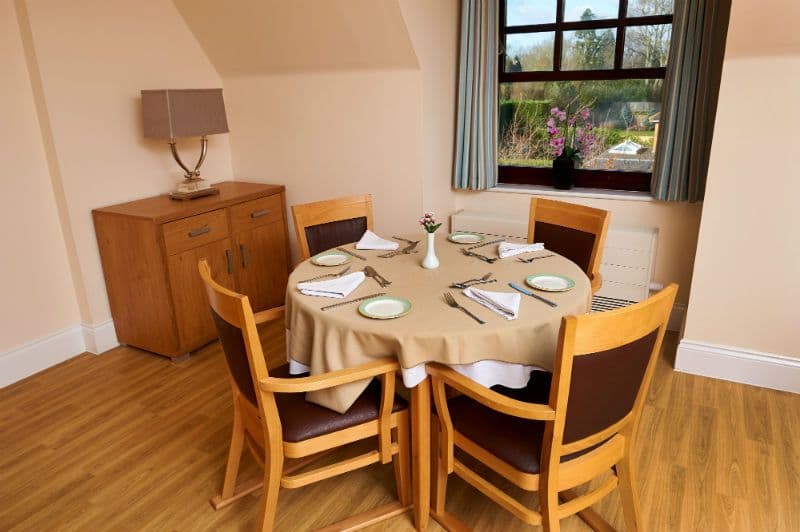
point(571, 138)
point(428, 221)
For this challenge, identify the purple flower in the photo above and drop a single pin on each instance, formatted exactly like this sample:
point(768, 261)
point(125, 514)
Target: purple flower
point(562, 115)
point(585, 113)
point(554, 111)
point(550, 122)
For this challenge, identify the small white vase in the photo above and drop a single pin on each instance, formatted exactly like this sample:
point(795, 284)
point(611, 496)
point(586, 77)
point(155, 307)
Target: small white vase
point(430, 261)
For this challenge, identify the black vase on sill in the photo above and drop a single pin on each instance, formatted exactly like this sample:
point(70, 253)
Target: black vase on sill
point(563, 172)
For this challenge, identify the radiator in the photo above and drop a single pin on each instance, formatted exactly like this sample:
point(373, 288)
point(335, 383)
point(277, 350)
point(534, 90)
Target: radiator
point(628, 257)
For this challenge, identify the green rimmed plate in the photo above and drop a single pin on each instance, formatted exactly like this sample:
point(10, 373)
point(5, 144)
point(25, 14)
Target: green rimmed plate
point(331, 258)
point(385, 307)
point(465, 237)
point(549, 282)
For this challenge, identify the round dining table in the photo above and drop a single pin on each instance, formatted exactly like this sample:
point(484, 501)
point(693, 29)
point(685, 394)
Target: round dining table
point(323, 339)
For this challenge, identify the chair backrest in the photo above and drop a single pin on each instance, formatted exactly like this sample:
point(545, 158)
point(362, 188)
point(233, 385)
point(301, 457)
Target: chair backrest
point(325, 224)
point(603, 369)
point(238, 334)
point(575, 231)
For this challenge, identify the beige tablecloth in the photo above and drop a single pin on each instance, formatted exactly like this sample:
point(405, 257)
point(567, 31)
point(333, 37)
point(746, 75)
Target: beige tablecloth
point(432, 332)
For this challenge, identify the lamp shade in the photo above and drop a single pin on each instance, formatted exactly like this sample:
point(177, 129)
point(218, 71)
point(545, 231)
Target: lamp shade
point(171, 113)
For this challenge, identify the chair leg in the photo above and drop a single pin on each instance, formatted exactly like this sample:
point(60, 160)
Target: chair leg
point(439, 487)
point(229, 493)
point(273, 470)
point(629, 494)
point(548, 501)
point(402, 463)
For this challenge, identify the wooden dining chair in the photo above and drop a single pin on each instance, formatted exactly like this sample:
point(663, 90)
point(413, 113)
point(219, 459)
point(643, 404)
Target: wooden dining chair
point(326, 224)
point(272, 417)
point(575, 231)
point(587, 429)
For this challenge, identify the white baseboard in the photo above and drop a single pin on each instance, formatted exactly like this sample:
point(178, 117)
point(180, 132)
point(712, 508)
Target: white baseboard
point(767, 370)
point(33, 357)
point(100, 338)
point(30, 358)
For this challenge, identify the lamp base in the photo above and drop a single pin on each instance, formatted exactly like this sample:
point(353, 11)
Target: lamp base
point(193, 188)
point(183, 196)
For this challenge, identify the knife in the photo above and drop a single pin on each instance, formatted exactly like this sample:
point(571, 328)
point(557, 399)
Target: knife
point(356, 255)
point(527, 292)
point(487, 243)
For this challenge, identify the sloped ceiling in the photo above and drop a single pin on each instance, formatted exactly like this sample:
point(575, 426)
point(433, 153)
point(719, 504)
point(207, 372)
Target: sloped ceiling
point(256, 37)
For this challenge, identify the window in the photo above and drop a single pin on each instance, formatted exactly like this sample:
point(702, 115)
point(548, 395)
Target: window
point(607, 55)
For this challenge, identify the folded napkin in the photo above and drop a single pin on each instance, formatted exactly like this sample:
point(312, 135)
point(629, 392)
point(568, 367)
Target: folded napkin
point(372, 241)
point(508, 249)
point(338, 288)
point(504, 303)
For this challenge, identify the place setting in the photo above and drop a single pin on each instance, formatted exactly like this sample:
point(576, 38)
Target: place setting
point(341, 284)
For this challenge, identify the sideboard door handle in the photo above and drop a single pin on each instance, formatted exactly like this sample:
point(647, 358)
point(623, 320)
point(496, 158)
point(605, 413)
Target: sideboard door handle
point(243, 251)
point(229, 260)
point(259, 214)
point(199, 231)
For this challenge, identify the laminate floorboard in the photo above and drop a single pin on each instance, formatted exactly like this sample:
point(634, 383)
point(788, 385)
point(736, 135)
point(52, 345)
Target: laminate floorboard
point(130, 441)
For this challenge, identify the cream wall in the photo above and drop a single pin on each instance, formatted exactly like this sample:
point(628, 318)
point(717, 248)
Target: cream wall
point(325, 98)
point(34, 272)
point(746, 285)
point(333, 134)
point(92, 58)
point(72, 141)
point(433, 28)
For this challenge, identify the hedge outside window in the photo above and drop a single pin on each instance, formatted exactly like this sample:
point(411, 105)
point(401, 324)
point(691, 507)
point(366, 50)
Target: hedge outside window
point(609, 55)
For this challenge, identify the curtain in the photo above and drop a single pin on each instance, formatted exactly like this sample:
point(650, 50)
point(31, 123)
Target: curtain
point(476, 126)
point(691, 88)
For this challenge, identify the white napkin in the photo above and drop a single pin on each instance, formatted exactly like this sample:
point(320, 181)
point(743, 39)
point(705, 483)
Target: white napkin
point(508, 249)
point(504, 303)
point(372, 241)
point(338, 288)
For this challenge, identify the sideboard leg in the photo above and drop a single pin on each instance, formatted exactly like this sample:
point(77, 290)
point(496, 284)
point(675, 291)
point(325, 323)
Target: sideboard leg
point(180, 359)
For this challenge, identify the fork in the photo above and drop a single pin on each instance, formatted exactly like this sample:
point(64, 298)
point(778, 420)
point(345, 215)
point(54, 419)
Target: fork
point(450, 300)
point(318, 277)
point(411, 248)
point(469, 282)
point(369, 271)
point(401, 239)
point(484, 258)
point(528, 261)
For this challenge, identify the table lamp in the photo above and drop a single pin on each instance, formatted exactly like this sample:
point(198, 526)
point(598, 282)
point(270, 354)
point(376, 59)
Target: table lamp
point(172, 113)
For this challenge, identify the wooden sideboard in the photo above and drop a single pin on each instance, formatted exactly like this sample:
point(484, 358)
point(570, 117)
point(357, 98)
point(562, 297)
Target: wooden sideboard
point(149, 249)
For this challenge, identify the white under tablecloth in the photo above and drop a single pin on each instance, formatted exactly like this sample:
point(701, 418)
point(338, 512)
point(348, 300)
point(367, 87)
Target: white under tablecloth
point(485, 372)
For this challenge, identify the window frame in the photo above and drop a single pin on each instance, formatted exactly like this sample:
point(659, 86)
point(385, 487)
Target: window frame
point(584, 178)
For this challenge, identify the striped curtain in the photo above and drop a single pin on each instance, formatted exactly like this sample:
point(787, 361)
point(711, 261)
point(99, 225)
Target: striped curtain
point(476, 132)
point(691, 88)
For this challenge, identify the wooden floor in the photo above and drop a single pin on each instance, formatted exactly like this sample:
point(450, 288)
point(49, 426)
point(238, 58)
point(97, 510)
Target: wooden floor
point(130, 441)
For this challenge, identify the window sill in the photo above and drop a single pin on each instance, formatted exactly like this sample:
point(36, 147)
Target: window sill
point(596, 193)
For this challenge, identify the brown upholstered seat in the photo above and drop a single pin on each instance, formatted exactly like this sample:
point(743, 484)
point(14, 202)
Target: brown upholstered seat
point(302, 420)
